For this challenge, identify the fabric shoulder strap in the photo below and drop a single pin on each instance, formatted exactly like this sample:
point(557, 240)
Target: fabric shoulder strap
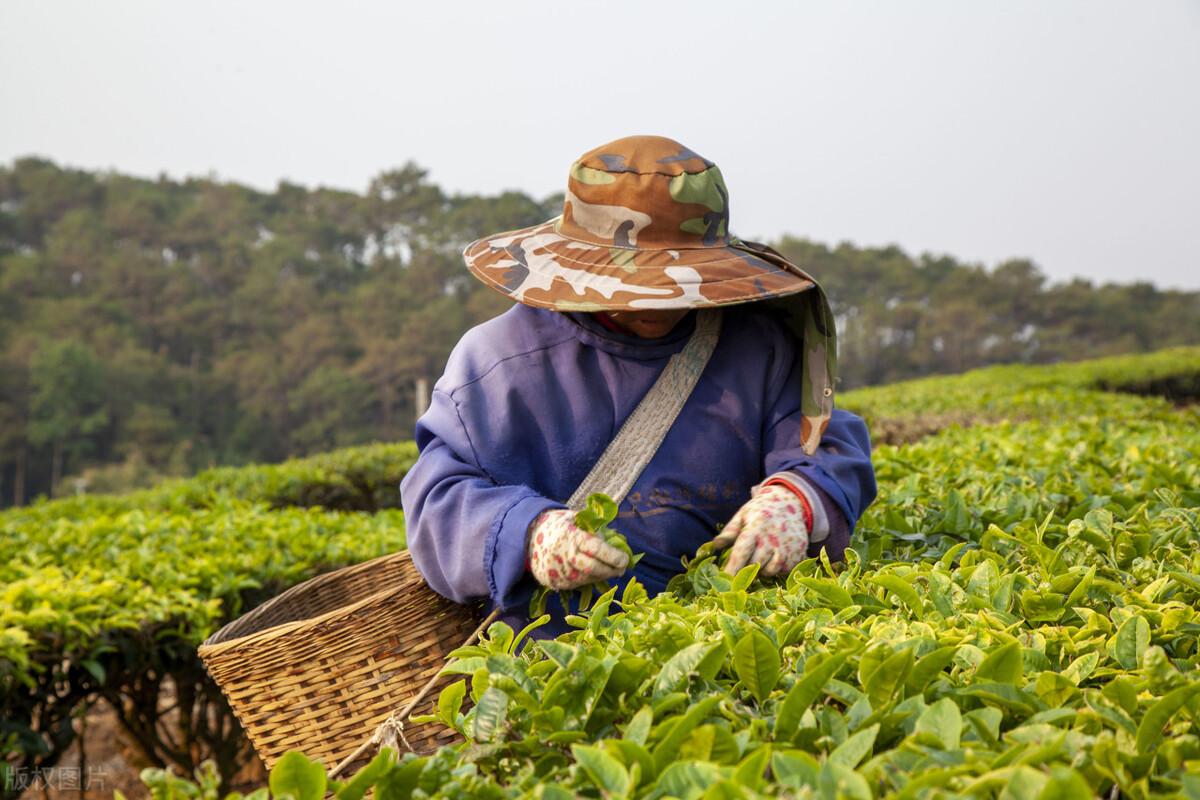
point(627, 455)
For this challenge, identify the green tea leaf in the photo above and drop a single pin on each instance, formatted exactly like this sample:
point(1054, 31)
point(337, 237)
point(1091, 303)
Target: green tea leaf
point(399, 782)
point(1005, 664)
point(928, 667)
point(850, 752)
point(537, 603)
point(604, 770)
point(710, 743)
point(701, 658)
point(882, 683)
point(638, 729)
point(828, 590)
point(983, 580)
point(366, 777)
point(490, 715)
point(795, 769)
point(1122, 692)
point(1066, 784)
point(450, 702)
point(687, 779)
point(1132, 639)
point(956, 517)
point(538, 620)
point(634, 757)
point(598, 511)
point(802, 694)
point(666, 750)
point(751, 771)
point(1080, 592)
point(1078, 670)
point(985, 722)
point(942, 723)
point(298, 776)
point(900, 588)
point(1150, 731)
point(745, 577)
point(513, 670)
point(1004, 696)
point(1042, 606)
point(578, 687)
point(756, 661)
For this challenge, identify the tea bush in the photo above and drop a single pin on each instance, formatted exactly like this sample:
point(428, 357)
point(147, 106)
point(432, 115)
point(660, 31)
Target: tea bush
point(1018, 618)
point(906, 411)
point(109, 595)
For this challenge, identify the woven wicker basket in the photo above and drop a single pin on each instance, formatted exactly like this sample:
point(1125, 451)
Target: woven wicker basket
point(321, 665)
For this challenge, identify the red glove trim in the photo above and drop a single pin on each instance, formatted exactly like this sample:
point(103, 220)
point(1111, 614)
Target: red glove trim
point(805, 507)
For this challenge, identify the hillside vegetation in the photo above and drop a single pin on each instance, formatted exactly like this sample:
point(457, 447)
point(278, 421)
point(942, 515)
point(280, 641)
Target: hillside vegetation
point(152, 327)
point(1018, 617)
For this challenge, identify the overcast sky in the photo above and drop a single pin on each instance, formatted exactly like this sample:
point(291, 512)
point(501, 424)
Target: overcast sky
point(1063, 131)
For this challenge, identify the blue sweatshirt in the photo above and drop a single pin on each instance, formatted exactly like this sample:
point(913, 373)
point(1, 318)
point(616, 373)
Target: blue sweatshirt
point(530, 400)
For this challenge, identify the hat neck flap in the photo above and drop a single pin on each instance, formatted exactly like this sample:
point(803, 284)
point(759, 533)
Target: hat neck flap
point(810, 318)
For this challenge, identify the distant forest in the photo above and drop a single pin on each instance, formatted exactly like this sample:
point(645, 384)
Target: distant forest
point(157, 327)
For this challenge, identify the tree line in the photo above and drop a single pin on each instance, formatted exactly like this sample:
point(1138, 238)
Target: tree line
point(157, 327)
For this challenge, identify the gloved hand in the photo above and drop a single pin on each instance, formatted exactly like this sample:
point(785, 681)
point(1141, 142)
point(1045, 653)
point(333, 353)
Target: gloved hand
point(563, 556)
point(770, 529)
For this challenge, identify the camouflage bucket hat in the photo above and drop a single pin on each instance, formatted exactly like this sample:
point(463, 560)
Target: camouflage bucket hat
point(645, 225)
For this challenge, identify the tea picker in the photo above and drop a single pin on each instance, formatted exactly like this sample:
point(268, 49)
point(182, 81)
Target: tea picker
point(651, 356)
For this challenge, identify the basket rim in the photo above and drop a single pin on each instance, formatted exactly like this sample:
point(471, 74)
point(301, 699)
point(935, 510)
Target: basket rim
point(217, 641)
point(207, 651)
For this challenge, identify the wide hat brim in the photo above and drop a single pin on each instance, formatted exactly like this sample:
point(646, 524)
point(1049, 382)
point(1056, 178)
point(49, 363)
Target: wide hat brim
point(539, 266)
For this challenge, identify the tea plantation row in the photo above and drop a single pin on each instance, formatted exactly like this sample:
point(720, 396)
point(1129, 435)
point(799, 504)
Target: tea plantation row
point(974, 556)
point(1015, 392)
point(1019, 619)
point(106, 598)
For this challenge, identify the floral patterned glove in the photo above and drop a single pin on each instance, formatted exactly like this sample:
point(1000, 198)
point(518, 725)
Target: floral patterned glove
point(771, 529)
point(563, 556)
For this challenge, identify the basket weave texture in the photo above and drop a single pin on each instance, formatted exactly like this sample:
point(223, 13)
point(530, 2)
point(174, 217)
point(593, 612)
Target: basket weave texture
point(321, 665)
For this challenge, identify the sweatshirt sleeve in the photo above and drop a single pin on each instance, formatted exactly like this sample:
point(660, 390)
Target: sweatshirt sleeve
point(465, 531)
point(838, 479)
